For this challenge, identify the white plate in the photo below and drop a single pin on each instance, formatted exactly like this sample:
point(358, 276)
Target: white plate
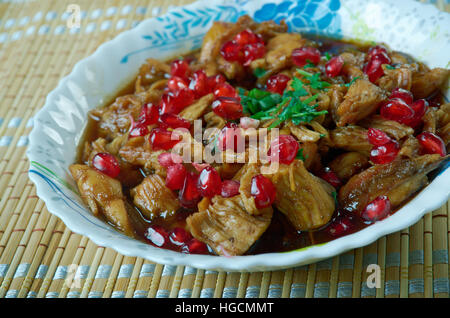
point(418, 29)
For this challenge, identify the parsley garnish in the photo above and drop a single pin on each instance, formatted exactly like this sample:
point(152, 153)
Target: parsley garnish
point(390, 67)
point(264, 105)
point(309, 65)
point(259, 72)
point(300, 155)
point(351, 82)
point(257, 100)
point(314, 80)
point(327, 56)
point(334, 195)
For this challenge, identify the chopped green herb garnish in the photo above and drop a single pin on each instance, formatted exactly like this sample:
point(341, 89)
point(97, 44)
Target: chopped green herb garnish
point(334, 195)
point(351, 82)
point(314, 80)
point(264, 105)
point(390, 67)
point(300, 155)
point(257, 100)
point(309, 65)
point(327, 56)
point(259, 72)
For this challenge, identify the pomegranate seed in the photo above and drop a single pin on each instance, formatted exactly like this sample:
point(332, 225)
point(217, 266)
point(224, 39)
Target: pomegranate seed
point(376, 50)
point(149, 115)
point(283, 149)
point(180, 68)
point(225, 90)
point(373, 68)
point(209, 182)
point(247, 122)
point(334, 66)
point(378, 209)
point(137, 129)
point(382, 57)
point(157, 235)
point(252, 52)
point(263, 191)
point(385, 153)
point(174, 102)
point(277, 83)
point(231, 51)
point(174, 121)
point(194, 246)
point(167, 159)
point(431, 143)
point(402, 94)
point(161, 138)
point(247, 37)
point(175, 176)
point(301, 56)
point(213, 81)
point(396, 109)
point(329, 176)
point(107, 164)
point(342, 225)
point(377, 137)
point(179, 236)
point(198, 84)
point(189, 195)
point(227, 107)
point(231, 138)
point(419, 107)
point(230, 188)
point(176, 83)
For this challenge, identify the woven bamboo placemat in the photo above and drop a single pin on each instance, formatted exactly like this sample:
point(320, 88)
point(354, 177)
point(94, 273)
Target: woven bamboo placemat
point(40, 257)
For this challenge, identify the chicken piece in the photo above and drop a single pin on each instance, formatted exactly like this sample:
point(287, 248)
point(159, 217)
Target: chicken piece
point(311, 154)
point(361, 100)
point(353, 64)
point(137, 151)
point(399, 58)
point(246, 175)
point(227, 227)
point(213, 120)
point(210, 59)
point(150, 72)
point(196, 110)
point(114, 120)
point(391, 127)
point(396, 78)
point(336, 94)
point(279, 51)
point(103, 195)
point(386, 179)
point(302, 133)
point(430, 120)
point(410, 148)
point(269, 29)
point(443, 115)
point(425, 83)
point(154, 199)
point(306, 200)
point(351, 138)
point(349, 164)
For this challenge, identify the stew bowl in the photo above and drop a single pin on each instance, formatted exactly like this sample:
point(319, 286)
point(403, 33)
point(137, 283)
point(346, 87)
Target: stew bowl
point(420, 30)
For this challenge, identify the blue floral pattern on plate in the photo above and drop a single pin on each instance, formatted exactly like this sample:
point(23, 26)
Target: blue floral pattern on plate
point(311, 16)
